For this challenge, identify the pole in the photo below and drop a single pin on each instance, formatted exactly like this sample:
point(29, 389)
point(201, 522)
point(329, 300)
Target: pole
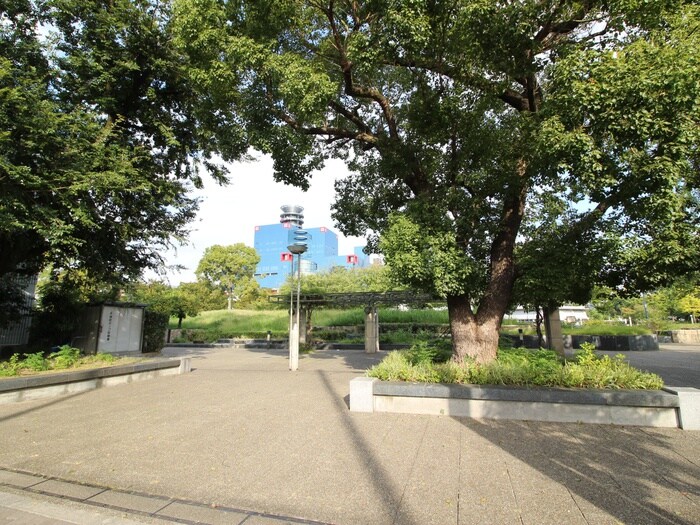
point(291, 316)
point(298, 303)
point(294, 332)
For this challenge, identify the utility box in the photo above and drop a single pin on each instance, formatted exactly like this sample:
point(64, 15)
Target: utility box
point(111, 328)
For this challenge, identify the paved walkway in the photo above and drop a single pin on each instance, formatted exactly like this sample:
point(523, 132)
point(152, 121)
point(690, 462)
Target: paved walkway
point(243, 440)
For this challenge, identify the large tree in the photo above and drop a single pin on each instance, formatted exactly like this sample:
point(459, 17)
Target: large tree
point(99, 137)
point(485, 137)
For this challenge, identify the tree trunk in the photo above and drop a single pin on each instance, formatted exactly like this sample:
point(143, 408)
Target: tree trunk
point(179, 322)
point(476, 334)
point(476, 339)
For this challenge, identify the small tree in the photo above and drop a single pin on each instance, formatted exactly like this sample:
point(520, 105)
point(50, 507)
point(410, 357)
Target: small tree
point(690, 304)
point(230, 268)
point(160, 297)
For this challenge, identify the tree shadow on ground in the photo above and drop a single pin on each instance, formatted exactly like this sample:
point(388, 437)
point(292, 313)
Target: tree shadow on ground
point(637, 475)
point(357, 360)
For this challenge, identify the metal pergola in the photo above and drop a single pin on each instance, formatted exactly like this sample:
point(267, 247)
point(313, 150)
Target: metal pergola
point(350, 299)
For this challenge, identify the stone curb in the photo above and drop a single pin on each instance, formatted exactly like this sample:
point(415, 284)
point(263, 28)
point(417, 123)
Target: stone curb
point(15, 389)
point(671, 407)
point(170, 510)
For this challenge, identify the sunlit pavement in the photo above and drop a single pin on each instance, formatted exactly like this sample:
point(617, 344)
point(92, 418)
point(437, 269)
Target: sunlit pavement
point(241, 439)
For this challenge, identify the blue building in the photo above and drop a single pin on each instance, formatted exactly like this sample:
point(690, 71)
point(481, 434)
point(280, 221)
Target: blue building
point(271, 241)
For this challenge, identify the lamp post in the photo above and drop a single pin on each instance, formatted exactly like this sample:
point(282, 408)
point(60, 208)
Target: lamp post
point(298, 247)
point(293, 217)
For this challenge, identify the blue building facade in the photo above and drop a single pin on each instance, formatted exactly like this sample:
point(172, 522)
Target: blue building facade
point(271, 241)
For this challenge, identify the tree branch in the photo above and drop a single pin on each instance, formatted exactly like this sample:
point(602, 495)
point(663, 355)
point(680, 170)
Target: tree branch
point(353, 90)
point(336, 133)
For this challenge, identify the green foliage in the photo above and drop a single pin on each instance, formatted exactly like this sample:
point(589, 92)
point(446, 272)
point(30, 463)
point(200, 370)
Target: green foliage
point(230, 268)
point(653, 310)
point(10, 367)
point(99, 137)
point(589, 370)
point(429, 259)
point(65, 357)
point(62, 299)
point(425, 352)
point(155, 325)
point(690, 304)
point(375, 278)
point(517, 367)
point(488, 141)
point(160, 297)
point(36, 362)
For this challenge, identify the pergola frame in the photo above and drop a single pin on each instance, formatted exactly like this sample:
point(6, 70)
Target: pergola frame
point(369, 300)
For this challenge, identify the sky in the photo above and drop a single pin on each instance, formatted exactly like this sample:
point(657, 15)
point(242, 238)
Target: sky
point(229, 214)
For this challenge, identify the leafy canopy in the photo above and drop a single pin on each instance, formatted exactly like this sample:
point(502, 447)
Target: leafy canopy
point(100, 137)
point(230, 268)
point(476, 131)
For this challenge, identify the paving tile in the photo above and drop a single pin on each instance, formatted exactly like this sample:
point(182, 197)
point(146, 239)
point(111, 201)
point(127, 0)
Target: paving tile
point(66, 489)
point(198, 513)
point(17, 479)
point(124, 500)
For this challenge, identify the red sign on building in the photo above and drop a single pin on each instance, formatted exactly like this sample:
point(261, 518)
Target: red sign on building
point(351, 259)
point(286, 257)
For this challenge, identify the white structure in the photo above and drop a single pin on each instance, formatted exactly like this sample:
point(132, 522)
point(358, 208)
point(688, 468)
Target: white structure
point(111, 328)
point(568, 314)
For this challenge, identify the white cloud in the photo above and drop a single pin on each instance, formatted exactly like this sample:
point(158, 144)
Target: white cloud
point(229, 214)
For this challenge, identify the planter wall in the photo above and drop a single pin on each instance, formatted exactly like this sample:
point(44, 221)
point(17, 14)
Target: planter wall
point(671, 407)
point(680, 336)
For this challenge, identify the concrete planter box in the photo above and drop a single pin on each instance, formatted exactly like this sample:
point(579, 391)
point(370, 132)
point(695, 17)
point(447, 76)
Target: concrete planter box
point(688, 337)
point(677, 407)
point(16, 389)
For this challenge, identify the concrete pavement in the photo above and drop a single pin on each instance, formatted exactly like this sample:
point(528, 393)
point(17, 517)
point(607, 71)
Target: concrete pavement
point(243, 440)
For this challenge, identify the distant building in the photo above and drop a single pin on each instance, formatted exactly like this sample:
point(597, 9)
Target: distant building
point(271, 241)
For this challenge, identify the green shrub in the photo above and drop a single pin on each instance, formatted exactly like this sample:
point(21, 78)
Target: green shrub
point(590, 370)
point(435, 351)
point(66, 357)
point(36, 362)
point(11, 367)
point(518, 367)
point(155, 325)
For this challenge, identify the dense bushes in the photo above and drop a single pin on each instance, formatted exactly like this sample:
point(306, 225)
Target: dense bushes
point(516, 367)
point(155, 325)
